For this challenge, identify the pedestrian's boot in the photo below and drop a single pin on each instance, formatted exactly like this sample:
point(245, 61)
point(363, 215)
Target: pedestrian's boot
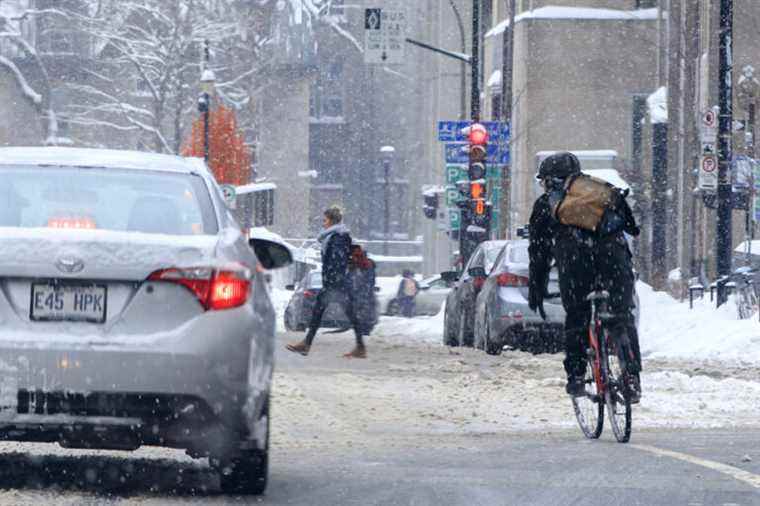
point(301, 347)
point(359, 351)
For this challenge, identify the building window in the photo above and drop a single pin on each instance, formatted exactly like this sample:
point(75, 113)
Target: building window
point(328, 93)
point(646, 4)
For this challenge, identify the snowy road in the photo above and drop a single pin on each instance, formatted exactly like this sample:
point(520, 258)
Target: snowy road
point(419, 423)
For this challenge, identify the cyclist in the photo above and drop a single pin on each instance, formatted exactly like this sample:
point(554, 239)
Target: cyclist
point(585, 260)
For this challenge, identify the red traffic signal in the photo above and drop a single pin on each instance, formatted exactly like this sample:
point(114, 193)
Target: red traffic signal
point(478, 135)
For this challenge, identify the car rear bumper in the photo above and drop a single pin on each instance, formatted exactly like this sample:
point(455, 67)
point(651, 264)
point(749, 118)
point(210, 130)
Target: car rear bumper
point(515, 324)
point(172, 389)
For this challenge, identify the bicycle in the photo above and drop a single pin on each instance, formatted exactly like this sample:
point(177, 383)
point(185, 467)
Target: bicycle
point(608, 381)
point(746, 292)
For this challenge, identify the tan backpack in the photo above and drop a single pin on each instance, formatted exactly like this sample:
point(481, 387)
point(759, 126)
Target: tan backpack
point(585, 201)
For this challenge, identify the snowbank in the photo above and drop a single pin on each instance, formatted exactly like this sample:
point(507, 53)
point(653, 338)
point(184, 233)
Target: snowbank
point(670, 329)
point(421, 329)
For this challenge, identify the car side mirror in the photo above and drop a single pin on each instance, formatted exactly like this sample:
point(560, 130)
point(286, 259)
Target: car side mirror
point(477, 272)
point(450, 276)
point(290, 288)
point(377, 289)
point(272, 255)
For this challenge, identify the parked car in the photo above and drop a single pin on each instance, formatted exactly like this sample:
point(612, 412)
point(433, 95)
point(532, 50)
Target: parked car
point(502, 315)
point(134, 310)
point(459, 315)
point(301, 306)
point(430, 298)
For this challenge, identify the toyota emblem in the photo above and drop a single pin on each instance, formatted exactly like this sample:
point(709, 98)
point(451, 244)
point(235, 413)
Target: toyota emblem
point(69, 265)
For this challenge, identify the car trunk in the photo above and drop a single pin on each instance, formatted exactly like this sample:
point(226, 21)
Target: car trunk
point(96, 278)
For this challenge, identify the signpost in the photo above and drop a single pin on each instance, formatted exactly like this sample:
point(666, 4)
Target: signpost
point(708, 173)
point(384, 36)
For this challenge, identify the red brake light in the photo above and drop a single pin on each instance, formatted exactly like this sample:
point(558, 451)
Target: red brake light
point(75, 223)
point(509, 279)
point(478, 282)
point(308, 294)
point(215, 290)
point(228, 290)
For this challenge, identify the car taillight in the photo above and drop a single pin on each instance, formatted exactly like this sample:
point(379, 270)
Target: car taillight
point(76, 223)
point(214, 289)
point(309, 294)
point(509, 279)
point(478, 282)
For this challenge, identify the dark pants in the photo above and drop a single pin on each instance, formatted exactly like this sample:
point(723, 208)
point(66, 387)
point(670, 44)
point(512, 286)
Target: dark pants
point(325, 298)
point(584, 267)
point(406, 305)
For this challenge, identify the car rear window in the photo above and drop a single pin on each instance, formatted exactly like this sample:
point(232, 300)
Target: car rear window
point(519, 255)
point(105, 199)
point(315, 280)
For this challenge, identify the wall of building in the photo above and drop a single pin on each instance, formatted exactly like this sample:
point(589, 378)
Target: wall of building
point(284, 153)
point(574, 83)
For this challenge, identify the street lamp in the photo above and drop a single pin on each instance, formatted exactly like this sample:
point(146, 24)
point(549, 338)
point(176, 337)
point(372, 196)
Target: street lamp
point(208, 82)
point(387, 153)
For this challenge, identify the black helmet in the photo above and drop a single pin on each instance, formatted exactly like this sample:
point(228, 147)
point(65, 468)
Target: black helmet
point(559, 166)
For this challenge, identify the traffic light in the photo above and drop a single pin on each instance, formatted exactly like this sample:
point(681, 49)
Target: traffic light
point(430, 204)
point(478, 206)
point(478, 140)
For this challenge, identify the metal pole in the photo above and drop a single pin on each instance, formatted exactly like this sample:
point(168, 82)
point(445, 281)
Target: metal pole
point(207, 100)
point(387, 220)
point(475, 76)
point(508, 48)
point(725, 96)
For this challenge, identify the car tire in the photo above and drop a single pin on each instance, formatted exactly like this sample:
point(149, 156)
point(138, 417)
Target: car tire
point(465, 337)
point(248, 472)
point(449, 339)
point(489, 346)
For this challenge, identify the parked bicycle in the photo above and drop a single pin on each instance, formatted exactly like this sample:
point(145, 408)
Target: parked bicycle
point(608, 380)
point(747, 296)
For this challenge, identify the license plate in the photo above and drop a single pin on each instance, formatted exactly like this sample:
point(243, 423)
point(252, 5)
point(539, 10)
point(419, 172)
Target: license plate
point(69, 301)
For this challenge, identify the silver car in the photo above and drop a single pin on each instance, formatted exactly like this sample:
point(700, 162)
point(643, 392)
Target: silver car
point(502, 315)
point(134, 311)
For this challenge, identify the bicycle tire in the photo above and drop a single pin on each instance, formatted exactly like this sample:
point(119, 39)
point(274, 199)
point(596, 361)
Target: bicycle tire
point(616, 396)
point(589, 410)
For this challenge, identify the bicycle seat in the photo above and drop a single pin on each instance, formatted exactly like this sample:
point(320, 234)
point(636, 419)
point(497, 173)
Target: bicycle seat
point(598, 295)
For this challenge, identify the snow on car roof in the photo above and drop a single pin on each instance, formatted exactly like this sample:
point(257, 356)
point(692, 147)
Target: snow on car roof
point(106, 158)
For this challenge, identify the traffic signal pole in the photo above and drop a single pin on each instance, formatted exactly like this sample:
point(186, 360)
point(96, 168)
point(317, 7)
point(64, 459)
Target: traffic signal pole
point(475, 62)
point(725, 73)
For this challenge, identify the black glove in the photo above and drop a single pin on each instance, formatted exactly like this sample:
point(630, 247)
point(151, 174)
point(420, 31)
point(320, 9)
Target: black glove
point(536, 301)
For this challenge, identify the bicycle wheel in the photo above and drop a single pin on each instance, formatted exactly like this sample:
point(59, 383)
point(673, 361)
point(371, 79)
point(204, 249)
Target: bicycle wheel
point(589, 409)
point(744, 304)
point(616, 397)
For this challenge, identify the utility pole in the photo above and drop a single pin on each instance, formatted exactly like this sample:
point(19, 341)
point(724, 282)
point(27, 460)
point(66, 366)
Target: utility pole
point(723, 240)
point(387, 154)
point(508, 51)
point(475, 59)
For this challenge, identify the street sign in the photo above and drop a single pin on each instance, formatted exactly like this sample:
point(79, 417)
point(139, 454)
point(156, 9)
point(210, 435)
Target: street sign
point(708, 130)
point(384, 36)
point(455, 219)
point(455, 154)
point(708, 173)
point(230, 195)
point(452, 196)
point(455, 172)
point(451, 131)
